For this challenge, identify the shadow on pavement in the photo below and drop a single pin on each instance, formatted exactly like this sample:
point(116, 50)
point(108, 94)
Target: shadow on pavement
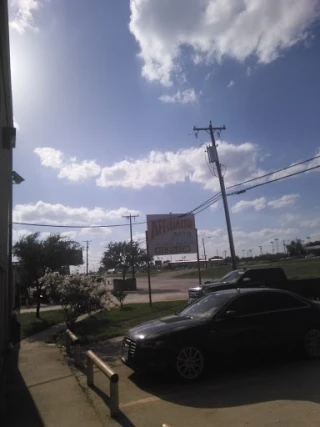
point(122, 420)
point(244, 383)
point(20, 407)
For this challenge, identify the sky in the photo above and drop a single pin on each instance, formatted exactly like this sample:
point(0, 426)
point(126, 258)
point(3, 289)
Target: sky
point(106, 94)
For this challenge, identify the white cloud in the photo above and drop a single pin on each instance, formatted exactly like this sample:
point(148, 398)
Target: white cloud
point(58, 214)
point(248, 71)
point(21, 14)
point(230, 84)
point(288, 218)
point(96, 231)
point(215, 29)
point(17, 234)
point(217, 240)
point(310, 223)
point(70, 168)
point(163, 168)
point(284, 201)
point(257, 204)
point(187, 96)
point(16, 124)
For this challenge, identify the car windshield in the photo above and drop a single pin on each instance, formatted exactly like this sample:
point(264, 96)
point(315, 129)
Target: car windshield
point(233, 276)
point(207, 306)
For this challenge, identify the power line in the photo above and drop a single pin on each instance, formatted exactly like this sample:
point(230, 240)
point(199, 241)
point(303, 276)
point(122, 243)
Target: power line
point(69, 226)
point(273, 180)
point(276, 171)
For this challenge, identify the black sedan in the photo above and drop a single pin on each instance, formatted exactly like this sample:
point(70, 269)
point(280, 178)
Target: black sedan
point(224, 323)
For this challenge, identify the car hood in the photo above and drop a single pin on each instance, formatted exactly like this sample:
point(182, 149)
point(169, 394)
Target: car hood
point(158, 327)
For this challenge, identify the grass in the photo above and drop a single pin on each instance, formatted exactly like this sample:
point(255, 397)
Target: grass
point(115, 322)
point(292, 268)
point(30, 325)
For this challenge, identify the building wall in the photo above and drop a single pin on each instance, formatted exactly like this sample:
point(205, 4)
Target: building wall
point(6, 120)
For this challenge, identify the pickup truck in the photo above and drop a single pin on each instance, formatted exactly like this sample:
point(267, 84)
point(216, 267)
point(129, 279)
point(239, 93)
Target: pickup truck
point(273, 277)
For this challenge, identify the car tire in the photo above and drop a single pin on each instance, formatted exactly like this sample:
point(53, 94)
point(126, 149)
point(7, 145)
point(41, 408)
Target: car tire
point(189, 362)
point(312, 342)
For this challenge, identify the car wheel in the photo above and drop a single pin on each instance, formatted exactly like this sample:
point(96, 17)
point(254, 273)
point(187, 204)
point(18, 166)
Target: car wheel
point(189, 362)
point(312, 342)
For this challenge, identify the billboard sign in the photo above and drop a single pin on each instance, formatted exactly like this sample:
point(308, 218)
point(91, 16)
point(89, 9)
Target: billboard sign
point(171, 234)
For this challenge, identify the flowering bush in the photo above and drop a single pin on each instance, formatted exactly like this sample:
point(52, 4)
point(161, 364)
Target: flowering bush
point(77, 294)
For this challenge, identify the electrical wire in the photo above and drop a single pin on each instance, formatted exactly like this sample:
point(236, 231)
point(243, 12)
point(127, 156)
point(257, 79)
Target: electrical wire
point(207, 203)
point(273, 180)
point(274, 172)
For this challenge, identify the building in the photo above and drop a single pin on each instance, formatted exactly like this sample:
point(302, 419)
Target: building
point(7, 143)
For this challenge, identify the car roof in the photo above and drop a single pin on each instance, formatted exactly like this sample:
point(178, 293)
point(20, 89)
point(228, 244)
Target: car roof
point(242, 291)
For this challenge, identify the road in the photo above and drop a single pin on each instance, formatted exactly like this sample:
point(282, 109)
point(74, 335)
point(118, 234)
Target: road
point(165, 287)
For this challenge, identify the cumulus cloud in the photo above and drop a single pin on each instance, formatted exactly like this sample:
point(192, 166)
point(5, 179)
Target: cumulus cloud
point(187, 96)
point(21, 14)
point(230, 84)
point(58, 214)
point(212, 30)
point(284, 201)
point(257, 204)
point(68, 168)
point(163, 168)
point(216, 240)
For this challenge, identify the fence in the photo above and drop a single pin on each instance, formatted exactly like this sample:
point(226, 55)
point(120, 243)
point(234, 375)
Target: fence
point(93, 359)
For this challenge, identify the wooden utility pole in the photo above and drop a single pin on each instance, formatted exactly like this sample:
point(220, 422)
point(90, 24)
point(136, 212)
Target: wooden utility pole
point(129, 217)
point(213, 158)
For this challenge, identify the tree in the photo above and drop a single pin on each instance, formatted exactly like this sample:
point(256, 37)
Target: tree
point(77, 294)
point(37, 255)
point(119, 255)
point(296, 248)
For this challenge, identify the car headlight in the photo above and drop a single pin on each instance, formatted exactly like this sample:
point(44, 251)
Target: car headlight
point(151, 344)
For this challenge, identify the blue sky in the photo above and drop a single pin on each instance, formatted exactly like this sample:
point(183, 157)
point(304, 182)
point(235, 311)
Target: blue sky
point(106, 95)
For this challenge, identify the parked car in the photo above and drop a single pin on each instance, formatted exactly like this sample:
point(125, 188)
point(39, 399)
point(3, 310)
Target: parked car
point(224, 323)
point(273, 277)
point(196, 292)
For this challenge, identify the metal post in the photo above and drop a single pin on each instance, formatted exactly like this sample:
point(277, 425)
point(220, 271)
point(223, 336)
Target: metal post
point(89, 371)
point(77, 359)
point(114, 398)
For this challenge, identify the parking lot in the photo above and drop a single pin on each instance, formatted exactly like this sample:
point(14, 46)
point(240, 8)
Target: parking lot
point(274, 391)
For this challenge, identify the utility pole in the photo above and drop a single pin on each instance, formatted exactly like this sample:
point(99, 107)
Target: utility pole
point(243, 250)
point(129, 217)
point(260, 250)
point(213, 158)
point(204, 252)
point(272, 247)
point(277, 244)
point(87, 255)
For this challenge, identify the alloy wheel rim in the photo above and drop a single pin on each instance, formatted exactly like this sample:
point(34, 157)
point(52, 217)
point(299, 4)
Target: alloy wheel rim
point(312, 342)
point(189, 363)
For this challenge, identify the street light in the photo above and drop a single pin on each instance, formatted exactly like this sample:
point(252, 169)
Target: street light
point(277, 244)
point(260, 250)
point(272, 247)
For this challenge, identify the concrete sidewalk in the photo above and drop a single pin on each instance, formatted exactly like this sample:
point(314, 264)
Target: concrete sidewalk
point(44, 392)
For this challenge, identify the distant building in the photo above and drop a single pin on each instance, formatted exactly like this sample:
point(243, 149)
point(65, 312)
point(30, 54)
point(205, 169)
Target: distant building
point(7, 142)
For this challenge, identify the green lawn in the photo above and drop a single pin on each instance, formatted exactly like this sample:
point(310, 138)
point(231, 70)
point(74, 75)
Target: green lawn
point(30, 325)
point(115, 322)
point(292, 268)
